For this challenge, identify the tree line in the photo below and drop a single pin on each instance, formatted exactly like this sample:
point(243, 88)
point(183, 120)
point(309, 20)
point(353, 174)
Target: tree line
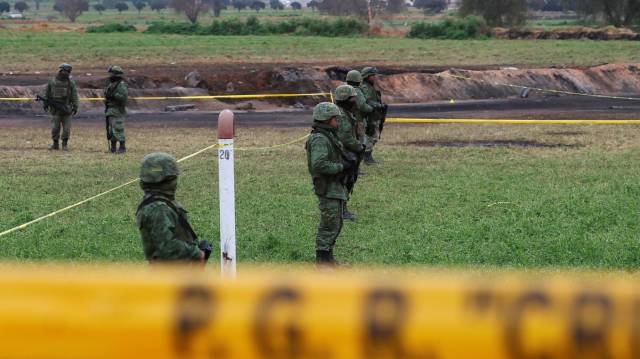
point(495, 12)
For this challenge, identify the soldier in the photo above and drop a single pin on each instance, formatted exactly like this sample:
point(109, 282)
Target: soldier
point(116, 94)
point(375, 120)
point(346, 97)
point(61, 100)
point(164, 228)
point(354, 78)
point(326, 165)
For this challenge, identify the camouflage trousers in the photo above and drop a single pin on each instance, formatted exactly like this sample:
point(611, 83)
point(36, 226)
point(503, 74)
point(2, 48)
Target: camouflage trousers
point(330, 223)
point(117, 128)
point(373, 134)
point(58, 121)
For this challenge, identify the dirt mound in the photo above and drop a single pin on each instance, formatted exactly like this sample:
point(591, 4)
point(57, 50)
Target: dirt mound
point(608, 33)
point(421, 87)
point(397, 85)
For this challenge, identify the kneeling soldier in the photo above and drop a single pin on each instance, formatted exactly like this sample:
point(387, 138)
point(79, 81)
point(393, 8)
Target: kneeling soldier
point(164, 228)
point(327, 165)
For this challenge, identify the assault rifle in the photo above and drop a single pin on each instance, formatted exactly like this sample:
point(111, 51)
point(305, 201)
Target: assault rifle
point(53, 104)
point(350, 176)
point(383, 113)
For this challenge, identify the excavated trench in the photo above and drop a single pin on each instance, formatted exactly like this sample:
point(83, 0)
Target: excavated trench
point(399, 85)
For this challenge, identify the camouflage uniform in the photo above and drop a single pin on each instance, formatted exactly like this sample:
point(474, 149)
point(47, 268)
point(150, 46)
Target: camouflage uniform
point(347, 124)
point(374, 99)
point(164, 228)
point(325, 164)
point(354, 78)
point(62, 90)
point(116, 94)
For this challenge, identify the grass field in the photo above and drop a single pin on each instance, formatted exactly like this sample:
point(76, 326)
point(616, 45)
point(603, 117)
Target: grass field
point(29, 51)
point(572, 203)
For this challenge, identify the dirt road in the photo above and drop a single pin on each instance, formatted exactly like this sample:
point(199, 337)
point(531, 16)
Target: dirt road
point(568, 107)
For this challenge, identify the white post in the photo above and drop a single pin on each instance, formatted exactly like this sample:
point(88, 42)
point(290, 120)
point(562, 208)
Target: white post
point(226, 182)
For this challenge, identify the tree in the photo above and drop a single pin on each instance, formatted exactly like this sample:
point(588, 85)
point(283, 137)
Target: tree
point(536, 5)
point(139, 5)
point(431, 6)
point(21, 6)
point(276, 5)
point(217, 6)
point(296, 5)
point(239, 4)
point(158, 5)
point(4, 7)
point(99, 8)
point(122, 6)
point(71, 8)
point(357, 8)
point(258, 5)
point(190, 8)
point(313, 5)
point(497, 12)
point(615, 12)
point(395, 6)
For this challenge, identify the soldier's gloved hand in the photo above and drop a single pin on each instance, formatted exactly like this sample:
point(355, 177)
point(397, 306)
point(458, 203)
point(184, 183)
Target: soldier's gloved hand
point(46, 107)
point(385, 107)
point(346, 165)
point(362, 148)
point(74, 111)
point(206, 248)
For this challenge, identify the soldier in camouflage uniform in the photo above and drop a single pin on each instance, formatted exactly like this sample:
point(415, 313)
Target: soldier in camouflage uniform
point(346, 97)
point(164, 228)
point(362, 110)
point(375, 118)
point(62, 91)
point(326, 165)
point(116, 94)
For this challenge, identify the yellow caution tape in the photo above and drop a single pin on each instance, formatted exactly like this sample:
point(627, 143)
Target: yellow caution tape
point(159, 313)
point(25, 225)
point(158, 98)
point(514, 122)
point(541, 89)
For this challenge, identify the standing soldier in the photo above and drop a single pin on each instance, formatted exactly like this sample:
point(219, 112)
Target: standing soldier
point(61, 100)
point(164, 228)
point(346, 97)
point(326, 165)
point(375, 120)
point(362, 110)
point(116, 94)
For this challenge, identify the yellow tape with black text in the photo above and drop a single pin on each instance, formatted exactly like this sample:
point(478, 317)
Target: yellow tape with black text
point(156, 313)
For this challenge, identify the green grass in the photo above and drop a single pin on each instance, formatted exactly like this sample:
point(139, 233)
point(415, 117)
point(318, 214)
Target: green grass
point(28, 51)
point(571, 206)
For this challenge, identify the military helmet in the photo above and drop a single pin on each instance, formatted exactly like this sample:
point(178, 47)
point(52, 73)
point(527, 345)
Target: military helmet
point(344, 92)
point(116, 70)
point(354, 76)
point(325, 111)
point(158, 167)
point(369, 71)
point(65, 67)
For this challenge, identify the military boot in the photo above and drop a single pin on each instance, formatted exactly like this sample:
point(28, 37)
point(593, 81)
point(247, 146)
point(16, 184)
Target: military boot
point(348, 215)
point(64, 145)
point(55, 145)
point(112, 147)
point(368, 159)
point(323, 258)
point(122, 148)
point(332, 259)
